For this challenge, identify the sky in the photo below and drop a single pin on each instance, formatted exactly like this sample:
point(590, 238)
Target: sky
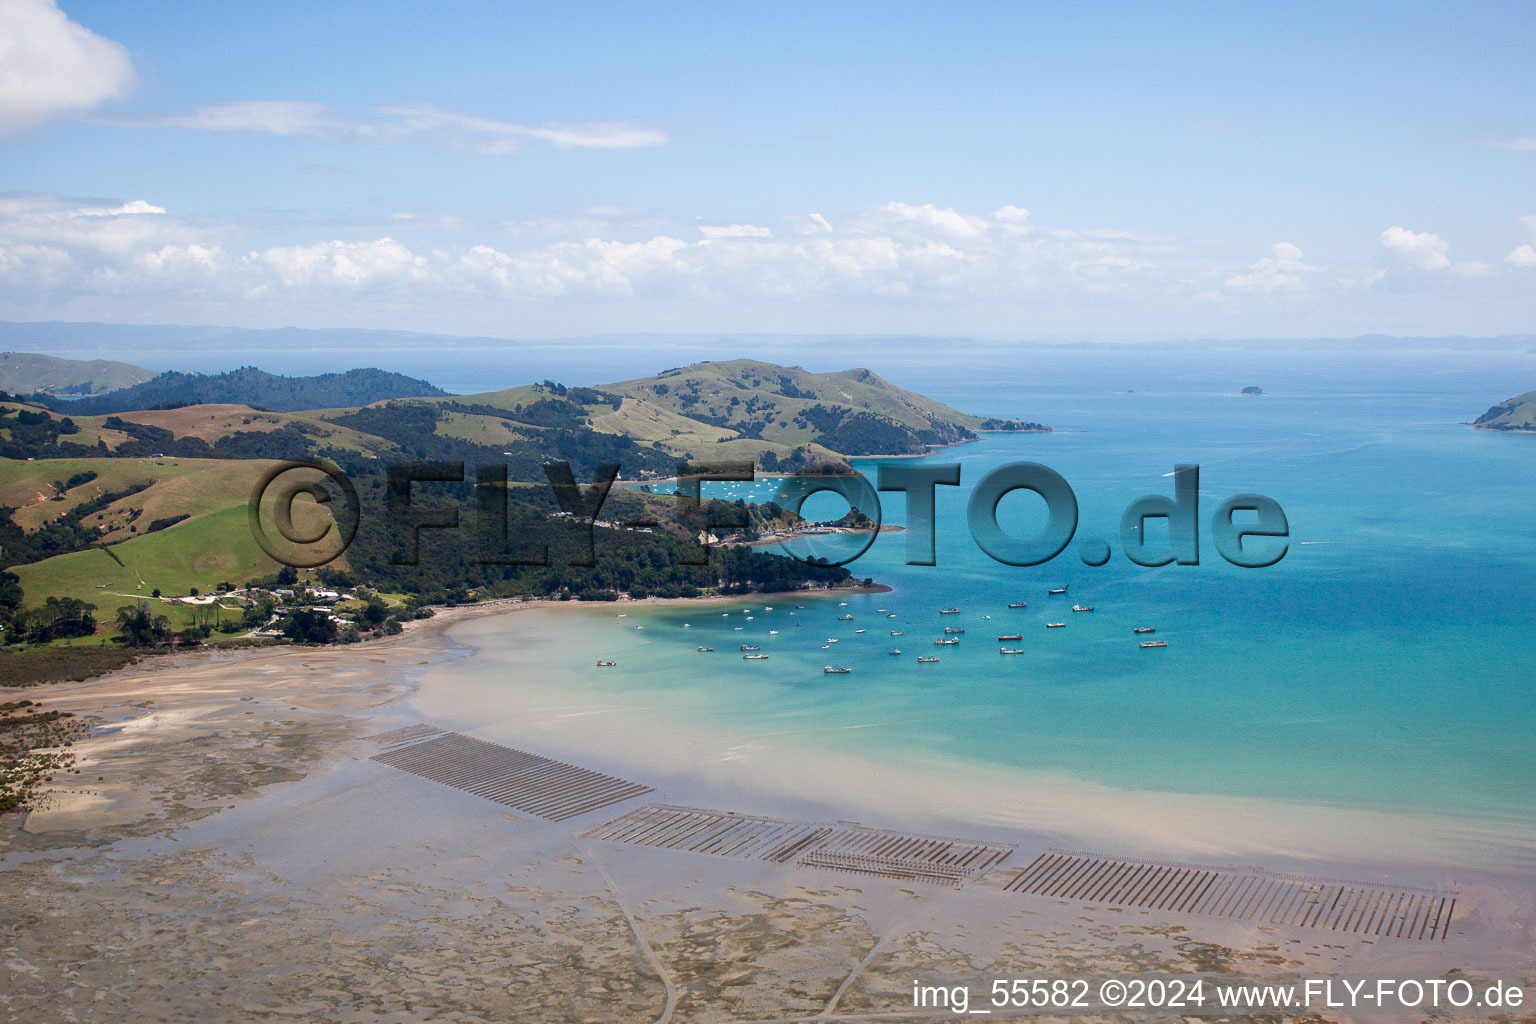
point(1032, 171)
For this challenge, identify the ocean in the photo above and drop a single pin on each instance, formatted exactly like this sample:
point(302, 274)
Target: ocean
point(1386, 662)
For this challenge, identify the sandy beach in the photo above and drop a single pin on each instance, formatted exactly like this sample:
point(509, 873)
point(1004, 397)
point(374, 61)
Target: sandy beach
point(229, 851)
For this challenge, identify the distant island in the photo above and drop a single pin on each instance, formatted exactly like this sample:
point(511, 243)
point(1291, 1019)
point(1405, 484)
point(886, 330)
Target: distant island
point(1516, 415)
point(1252, 389)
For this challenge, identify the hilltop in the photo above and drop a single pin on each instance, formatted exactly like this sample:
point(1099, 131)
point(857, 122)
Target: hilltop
point(1516, 414)
point(29, 372)
point(746, 404)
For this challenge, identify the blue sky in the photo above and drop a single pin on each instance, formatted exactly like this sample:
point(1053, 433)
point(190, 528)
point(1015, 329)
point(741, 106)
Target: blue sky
point(1054, 172)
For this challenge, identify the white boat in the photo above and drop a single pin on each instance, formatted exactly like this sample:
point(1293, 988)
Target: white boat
point(754, 657)
point(831, 671)
point(926, 661)
point(606, 664)
point(1082, 607)
point(706, 650)
point(1154, 643)
point(1010, 650)
point(750, 647)
point(1055, 625)
point(898, 632)
point(944, 643)
point(893, 651)
point(845, 618)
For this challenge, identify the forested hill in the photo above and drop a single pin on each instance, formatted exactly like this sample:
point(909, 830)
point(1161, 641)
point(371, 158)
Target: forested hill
point(250, 386)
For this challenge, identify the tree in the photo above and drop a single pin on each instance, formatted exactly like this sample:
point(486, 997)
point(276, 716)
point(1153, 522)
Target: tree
point(312, 626)
point(140, 629)
point(287, 576)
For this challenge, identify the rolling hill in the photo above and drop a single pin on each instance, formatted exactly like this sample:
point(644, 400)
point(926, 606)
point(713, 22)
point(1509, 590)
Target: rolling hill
point(250, 386)
point(29, 372)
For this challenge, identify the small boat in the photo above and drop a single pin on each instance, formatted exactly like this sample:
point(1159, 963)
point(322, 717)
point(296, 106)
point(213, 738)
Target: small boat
point(706, 650)
point(831, 671)
point(725, 615)
point(1010, 650)
point(749, 618)
point(943, 643)
point(986, 616)
point(623, 615)
point(1018, 604)
point(687, 625)
point(898, 632)
point(891, 616)
point(767, 607)
point(842, 604)
point(861, 631)
point(952, 629)
point(880, 609)
point(845, 618)
point(1055, 625)
point(1082, 607)
point(1059, 590)
point(639, 627)
point(1145, 629)
point(1154, 643)
point(949, 611)
point(799, 606)
point(893, 651)
point(1012, 636)
point(926, 661)
point(740, 628)
point(754, 657)
point(750, 647)
point(831, 639)
point(606, 664)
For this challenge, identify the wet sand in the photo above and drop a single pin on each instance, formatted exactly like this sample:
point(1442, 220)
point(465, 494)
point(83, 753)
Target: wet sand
point(229, 852)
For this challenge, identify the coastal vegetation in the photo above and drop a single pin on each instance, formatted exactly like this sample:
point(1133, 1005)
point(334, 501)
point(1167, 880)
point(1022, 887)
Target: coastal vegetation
point(124, 519)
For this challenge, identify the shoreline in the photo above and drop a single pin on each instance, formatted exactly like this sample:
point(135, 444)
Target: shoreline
point(231, 812)
point(698, 757)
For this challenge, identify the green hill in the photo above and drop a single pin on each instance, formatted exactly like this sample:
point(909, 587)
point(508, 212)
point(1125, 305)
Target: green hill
point(29, 372)
point(1518, 413)
point(853, 412)
point(250, 386)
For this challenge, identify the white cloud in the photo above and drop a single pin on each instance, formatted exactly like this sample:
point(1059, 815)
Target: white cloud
point(1522, 257)
point(417, 122)
point(713, 231)
point(349, 265)
point(1520, 144)
point(50, 65)
point(1281, 272)
point(945, 220)
point(1416, 250)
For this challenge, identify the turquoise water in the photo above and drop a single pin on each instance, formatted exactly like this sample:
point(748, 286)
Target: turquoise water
point(1386, 661)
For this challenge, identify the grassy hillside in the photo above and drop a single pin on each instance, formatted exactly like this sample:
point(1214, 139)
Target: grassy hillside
point(27, 372)
point(854, 412)
point(1518, 413)
point(213, 545)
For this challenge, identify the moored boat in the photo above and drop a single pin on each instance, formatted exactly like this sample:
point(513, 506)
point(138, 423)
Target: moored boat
point(1010, 650)
point(949, 611)
point(893, 651)
point(1055, 625)
point(943, 643)
point(1059, 590)
point(606, 664)
point(836, 671)
point(1154, 643)
point(1012, 636)
point(1145, 629)
point(954, 629)
point(898, 632)
point(926, 661)
point(1018, 604)
point(754, 657)
point(845, 618)
point(1082, 607)
point(706, 650)
point(750, 647)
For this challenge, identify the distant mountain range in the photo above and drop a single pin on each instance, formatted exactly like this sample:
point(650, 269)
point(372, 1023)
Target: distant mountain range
point(250, 386)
